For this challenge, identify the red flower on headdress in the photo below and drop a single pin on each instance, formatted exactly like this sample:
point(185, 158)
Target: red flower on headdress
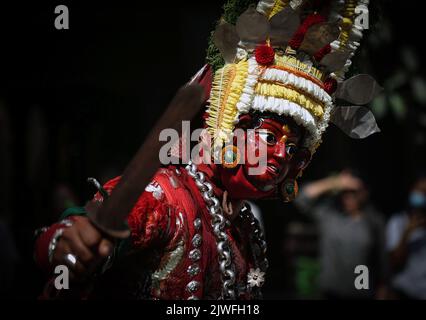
point(264, 54)
point(330, 85)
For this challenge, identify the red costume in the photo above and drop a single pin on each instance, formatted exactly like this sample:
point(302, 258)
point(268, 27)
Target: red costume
point(173, 242)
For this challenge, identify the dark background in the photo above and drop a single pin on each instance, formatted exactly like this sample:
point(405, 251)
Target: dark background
point(77, 103)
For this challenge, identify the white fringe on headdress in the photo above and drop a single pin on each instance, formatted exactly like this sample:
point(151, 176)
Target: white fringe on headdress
point(301, 83)
point(284, 107)
point(246, 98)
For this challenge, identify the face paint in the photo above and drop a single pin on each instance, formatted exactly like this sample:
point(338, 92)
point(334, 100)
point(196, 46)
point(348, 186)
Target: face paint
point(280, 138)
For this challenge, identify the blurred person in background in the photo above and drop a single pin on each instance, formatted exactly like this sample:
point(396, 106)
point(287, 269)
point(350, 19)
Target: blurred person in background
point(351, 234)
point(406, 244)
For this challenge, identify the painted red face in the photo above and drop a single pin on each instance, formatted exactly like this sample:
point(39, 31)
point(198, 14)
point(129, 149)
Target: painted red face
point(280, 139)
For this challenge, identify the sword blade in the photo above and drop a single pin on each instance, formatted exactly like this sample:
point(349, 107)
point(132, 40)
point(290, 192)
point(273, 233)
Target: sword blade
point(111, 216)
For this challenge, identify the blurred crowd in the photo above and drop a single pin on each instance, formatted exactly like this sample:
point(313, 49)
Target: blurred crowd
point(347, 234)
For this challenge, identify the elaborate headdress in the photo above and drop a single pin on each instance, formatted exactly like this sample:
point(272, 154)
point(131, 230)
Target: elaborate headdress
point(290, 58)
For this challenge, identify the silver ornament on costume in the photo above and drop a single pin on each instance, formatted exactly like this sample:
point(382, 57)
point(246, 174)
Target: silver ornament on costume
point(197, 224)
point(193, 269)
point(195, 255)
point(196, 240)
point(255, 278)
point(193, 286)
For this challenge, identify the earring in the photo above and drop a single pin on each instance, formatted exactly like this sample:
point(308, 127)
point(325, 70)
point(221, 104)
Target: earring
point(289, 190)
point(230, 156)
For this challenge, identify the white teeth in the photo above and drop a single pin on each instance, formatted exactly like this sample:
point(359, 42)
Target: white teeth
point(275, 169)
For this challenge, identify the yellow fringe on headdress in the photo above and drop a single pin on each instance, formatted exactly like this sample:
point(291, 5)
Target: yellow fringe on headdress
point(282, 92)
point(292, 62)
point(227, 87)
point(278, 6)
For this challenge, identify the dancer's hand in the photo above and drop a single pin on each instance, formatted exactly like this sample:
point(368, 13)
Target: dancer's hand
point(88, 247)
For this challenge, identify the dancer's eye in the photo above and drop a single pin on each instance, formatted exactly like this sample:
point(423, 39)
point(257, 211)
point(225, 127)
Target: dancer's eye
point(291, 149)
point(268, 137)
